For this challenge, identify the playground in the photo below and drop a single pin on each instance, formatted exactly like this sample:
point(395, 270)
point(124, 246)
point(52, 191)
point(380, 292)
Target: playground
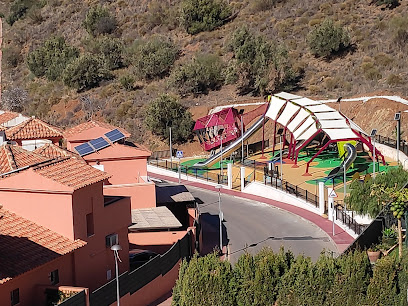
point(317, 142)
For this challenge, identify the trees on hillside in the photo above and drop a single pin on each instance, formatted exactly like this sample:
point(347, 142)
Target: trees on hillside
point(166, 111)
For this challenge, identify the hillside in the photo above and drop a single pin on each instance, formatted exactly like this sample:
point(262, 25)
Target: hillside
point(374, 61)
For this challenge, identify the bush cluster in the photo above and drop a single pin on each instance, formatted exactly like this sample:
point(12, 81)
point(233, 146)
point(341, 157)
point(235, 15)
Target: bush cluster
point(328, 38)
point(258, 66)
point(14, 99)
point(198, 76)
point(153, 59)
point(388, 3)
point(18, 10)
point(99, 21)
point(270, 278)
point(85, 72)
point(203, 15)
point(51, 58)
point(110, 50)
point(166, 111)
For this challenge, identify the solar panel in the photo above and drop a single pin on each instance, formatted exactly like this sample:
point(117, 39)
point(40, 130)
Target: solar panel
point(115, 135)
point(84, 149)
point(99, 143)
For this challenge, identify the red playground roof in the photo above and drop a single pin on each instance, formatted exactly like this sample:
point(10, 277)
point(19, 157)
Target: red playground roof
point(225, 116)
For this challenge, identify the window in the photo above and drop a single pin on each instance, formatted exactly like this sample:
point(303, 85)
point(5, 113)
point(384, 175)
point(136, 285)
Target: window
point(15, 297)
point(111, 240)
point(54, 277)
point(89, 225)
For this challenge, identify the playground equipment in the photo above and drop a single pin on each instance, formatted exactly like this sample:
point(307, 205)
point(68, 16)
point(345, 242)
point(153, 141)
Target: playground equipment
point(226, 123)
point(350, 156)
point(303, 120)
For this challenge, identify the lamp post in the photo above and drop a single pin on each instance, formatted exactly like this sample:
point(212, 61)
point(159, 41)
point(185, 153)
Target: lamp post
point(221, 216)
point(220, 131)
point(280, 132)
point(397, 117)
point(372, 135)
point(242, 141)
point(345, 182)
point(115, 248)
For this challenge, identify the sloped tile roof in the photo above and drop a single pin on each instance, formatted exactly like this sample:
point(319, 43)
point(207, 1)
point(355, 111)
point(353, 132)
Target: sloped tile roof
point(25, 245)
point(33, 128)
point(13, 157)
point(52, 151)
point(7, 116)
point(78, 129)
point(71, 172)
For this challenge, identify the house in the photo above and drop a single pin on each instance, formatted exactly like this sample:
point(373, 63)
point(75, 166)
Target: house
point(51, 150)
point(66, 196)
point(31, 254)
point(10, 119)
point(13, 157)
point(87, 131)
point(33, 133)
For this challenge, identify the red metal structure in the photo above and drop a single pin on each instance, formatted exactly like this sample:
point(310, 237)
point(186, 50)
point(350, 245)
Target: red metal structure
point(226, 124)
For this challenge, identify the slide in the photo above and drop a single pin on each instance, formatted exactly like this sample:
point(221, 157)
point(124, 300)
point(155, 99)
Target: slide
point(227, 151)
point(351, 154)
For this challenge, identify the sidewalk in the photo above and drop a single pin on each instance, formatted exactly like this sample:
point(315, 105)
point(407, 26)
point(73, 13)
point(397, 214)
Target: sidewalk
point(341, 238)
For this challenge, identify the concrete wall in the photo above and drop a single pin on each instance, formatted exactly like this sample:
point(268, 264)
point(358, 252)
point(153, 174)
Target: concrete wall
point(124, 171)
point(153, 290)
point(30, 283)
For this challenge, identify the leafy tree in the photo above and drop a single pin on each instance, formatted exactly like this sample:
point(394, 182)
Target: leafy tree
point(386, 189)
point(328, 38)
point(203, 281)
point(259, 66)
point(166, 111)
point(203, 15)
point(51, 58)
point(99, 21)
point(85, 72)
point(110, 50)
point(198, 76)
point(18, 10)
point(154, 58)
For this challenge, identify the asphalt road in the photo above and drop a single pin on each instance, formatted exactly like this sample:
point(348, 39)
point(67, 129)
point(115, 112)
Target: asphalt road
point(252, 225)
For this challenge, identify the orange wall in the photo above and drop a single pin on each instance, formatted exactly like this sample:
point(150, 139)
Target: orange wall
point(142, 195)
point(158, 242)
point(153, 290)
point(96, 258)
point(53, 211)
point(28, 283)
point(125, 171)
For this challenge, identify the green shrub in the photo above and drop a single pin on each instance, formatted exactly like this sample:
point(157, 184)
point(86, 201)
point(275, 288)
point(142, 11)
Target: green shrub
point(18, 10)
point(209, 276)
point(327, 39)
point(398, 27)
point(258, 66)
point(99, 21)
point(383, 288)
point(110, 50)
point(203, 15)
point(85, 72)
point(127, 82)
point(264, 5)
point(388, 3)
point(51, 58)
point(198, 76)
point(166, 111)
point(154, 58)
point(11, 56)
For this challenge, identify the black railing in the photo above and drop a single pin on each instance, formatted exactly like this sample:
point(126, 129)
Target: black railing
point(344, 216)
point(392, 143)
point(130, 282)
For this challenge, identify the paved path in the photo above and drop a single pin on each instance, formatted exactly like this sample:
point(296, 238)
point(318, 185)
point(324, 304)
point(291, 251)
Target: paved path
point(251, 225)
point(341, 238)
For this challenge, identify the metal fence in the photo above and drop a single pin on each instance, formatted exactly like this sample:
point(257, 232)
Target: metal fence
point(344, 216)
point(130, 282)
point(392, 143)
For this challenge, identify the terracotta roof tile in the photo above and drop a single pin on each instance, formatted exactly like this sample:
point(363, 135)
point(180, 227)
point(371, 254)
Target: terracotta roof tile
point(14, 157)
point(52, 151)
point(71, 172)
point(25, 245)
point(33, 128)
point(89, 125)
point(7, 116)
